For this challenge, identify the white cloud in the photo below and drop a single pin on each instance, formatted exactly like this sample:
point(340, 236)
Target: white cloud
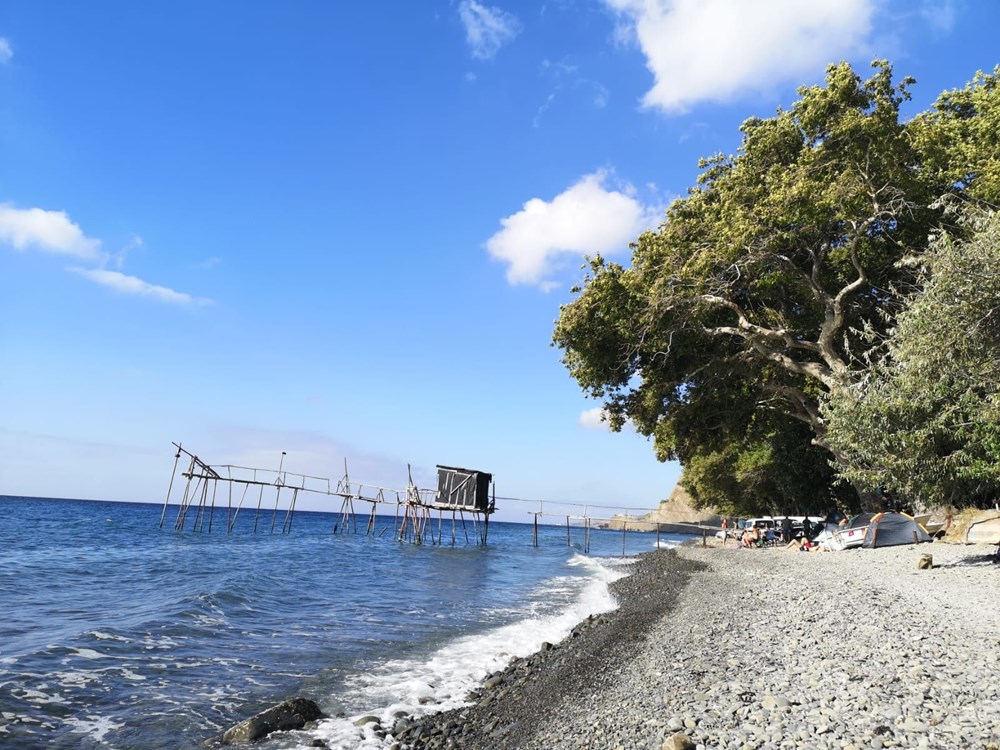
point(125, 284)
point(585, 219)
point(715, 50)
point(487, 29)
point(594, 419)
point(48, 231)
point(6, 51)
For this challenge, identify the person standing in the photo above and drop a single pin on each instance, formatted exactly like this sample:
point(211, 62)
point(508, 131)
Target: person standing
point(786, 529)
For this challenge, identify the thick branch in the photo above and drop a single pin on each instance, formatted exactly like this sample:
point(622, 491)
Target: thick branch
point(746, 327)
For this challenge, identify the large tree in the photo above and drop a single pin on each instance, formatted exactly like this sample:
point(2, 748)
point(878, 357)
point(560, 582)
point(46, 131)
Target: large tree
point(746, 304)
point(925, 421)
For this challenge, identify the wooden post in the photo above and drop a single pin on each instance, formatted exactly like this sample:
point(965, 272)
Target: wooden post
point(286, 526)
point(624, 527)
point(260, 497)
point(274, 517)
point(211, 517)
point(704, 537)
point(535, 534)
point(171, 485)
point(657, 535)
point(568, 543)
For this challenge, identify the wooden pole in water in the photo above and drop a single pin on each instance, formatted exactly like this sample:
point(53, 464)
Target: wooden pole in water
point(624, 526)
point(178, 525)
point(260, 497)
point(286, 526)
point(535, 535)
point(657, 535)
point(236, 515)
point(568, 542)
point(277, 494)
point(274, 516)
point(211, 517)
point(170, 486)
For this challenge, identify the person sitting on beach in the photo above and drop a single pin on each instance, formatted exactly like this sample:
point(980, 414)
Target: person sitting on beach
point(802, 544)
point(750, 537)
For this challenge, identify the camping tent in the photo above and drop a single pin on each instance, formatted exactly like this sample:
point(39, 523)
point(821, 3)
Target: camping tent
point(891, 529)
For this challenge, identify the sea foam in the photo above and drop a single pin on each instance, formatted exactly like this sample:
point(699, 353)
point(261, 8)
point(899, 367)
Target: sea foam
point(443, 680)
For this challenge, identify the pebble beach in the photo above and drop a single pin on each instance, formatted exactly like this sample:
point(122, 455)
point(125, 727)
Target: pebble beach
point(762, 649)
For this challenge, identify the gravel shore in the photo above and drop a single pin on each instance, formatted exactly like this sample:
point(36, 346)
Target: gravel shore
point(763, 649)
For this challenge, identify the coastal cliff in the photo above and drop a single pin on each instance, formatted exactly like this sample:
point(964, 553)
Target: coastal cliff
point(676, 514)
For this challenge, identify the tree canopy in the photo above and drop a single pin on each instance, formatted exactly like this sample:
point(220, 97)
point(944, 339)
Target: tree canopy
point(925, 422)
point(773, 284)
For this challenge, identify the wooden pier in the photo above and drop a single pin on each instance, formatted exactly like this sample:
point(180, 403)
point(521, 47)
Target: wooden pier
point(462, 494)
point(458, 509)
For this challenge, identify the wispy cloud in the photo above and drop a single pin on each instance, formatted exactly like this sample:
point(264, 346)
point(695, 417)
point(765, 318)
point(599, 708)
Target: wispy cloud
point(566, 76)
point(46, 231)
point(133, 285)
point(487, 28)
point(134, 243)
point(594, 419)
point(940, 15)
point(6, 51)
point(585, 219)
point(715, 50)
point(54, 232)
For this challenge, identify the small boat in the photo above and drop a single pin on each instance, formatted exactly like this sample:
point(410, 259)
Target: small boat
point(851, 534)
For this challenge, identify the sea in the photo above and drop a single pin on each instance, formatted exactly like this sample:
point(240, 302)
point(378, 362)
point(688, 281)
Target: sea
point(117, 633)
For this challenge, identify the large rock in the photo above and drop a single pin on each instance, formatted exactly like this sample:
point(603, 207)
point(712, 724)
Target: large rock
point(291, 714)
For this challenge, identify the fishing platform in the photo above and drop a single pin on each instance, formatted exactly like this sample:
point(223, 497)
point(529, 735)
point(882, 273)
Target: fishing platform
point(464, 494)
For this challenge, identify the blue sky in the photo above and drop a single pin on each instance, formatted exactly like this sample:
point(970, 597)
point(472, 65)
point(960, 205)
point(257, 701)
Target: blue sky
point(344, 230)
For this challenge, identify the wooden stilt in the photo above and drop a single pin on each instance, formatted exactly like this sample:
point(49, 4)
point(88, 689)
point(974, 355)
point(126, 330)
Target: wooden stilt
point(170, 486)
point(286, 526)
point(260, 497)
point(211, 517)
point(274, 516)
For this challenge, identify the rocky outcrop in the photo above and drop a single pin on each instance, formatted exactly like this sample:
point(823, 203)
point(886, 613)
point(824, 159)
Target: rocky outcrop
point(676, 514)
point(291, 714)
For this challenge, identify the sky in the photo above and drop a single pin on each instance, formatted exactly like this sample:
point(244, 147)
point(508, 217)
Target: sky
point(343, 231)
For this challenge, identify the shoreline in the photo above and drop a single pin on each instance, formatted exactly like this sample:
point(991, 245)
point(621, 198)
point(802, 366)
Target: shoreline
point(515, 702)
point(726, 648)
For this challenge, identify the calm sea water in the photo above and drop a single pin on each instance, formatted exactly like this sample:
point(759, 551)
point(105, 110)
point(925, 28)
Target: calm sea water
point(115, 633)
